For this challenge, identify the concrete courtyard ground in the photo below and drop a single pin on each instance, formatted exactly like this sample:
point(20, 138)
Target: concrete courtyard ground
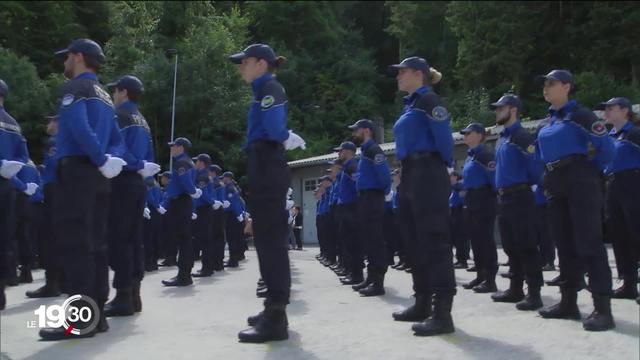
point(327, 321)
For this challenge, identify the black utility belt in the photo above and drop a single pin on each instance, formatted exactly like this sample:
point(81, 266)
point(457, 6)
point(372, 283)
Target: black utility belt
point(265, 144)
point(514, 188)
point(372, 191)
point(68, 160)
point(479, 189)
point(555, 165)
point(623, 173)
point(181, 197)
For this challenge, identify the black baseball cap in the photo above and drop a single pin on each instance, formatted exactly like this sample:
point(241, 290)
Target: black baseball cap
point(508, 100)
point(215, 168)
point(475, 127)
point(205, 158)
point(414, 62)
point(181, 141)
point(85, 47)
point(4, 89)
point(363, 124)
point(564, 76)
point(620, 101)
point(132, 84)
point(347, 145)
point(228, 174)
point(166, 174)
point(51, 117)
point(259, 51)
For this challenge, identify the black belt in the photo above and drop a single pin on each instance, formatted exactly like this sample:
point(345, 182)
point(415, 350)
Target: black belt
point(375, 191)
point(555, 165)
point(258, 144)
point(512, 189)
point(612, 176)
point(75, 160)
point(424, 155)
point(482, 188)
point(180, 196)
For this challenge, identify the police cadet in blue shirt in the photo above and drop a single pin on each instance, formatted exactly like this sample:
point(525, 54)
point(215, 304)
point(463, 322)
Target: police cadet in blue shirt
point(541, 230)
point(623, 193)
point(87, 141)
point(574, 187)
point(128, 195)
point(180, 192)
point(516, 170)
point(372, 183)
point(479, 183)
point(152, 226)
point(233, 225)
point(424, 145)
point(459, 236)
point(346, 213)
point(335, 246)
point(49, 252)
point(204, 211)
point(269, 179)
point(218, 221)
point(27, 182)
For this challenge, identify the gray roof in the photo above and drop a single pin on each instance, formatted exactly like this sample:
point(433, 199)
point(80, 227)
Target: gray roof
point(390, 148)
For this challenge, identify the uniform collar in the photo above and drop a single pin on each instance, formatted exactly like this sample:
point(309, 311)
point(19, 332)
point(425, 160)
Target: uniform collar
point(564, 110)
point(624, 129)
point(409, 99)
point(257, 83)
point(87, 75)
point(511, 129)
point(367, 144)
point(181, 156)
point(128, 105)
point(348, 162)
point(475, 150)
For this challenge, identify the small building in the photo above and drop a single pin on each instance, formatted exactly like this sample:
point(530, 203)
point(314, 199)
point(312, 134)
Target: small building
point(305, 174)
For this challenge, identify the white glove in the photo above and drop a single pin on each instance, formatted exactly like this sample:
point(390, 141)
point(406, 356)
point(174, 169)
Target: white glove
point(197, 194)
point(389, 196)
point(240, 218)
point(147, 213)
point(9, 168)
point(294, 141)
point(112, 167)
point(194, 216)
point(161, 210)
point(226, 204)
point(31, 188)
point(149, 169)
point(289, 205)
point(216, 205)
point(289, 192)
point(534, 187)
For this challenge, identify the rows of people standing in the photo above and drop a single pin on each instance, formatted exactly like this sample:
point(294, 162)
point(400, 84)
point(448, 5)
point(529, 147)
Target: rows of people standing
point(553, 188)
point(95, 203)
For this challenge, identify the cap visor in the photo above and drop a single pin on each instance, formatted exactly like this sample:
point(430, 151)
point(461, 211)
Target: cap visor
point(61, 53)
point(352, 127)
point(237, 58)
point(171, 143)
point(112, 84)
point(465, 131)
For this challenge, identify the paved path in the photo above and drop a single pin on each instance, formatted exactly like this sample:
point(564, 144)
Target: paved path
point(327, 321)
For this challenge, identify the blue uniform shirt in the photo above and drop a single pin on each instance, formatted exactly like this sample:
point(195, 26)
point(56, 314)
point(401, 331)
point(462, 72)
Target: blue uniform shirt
point(456, 198)
point(373, 170)
point(334, 192)
point(154, 196)
point(28, 174)
point(347, 179)
point(267, 119)
point(203, 182)
point(13, 146)
point(570, 131)
point(136, 135)
point(539, 195)
point(395, 202)
point(424, 125)
point(479, 168)
point(182, 177)
point(50, 162)
point(515, 159)
point(627, 149)
point(87, 125)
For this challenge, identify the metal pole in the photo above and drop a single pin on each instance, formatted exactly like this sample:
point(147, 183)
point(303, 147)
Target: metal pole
point(173, 109)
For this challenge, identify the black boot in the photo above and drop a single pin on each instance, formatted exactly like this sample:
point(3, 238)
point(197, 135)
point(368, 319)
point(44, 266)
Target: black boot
point(473, 283)
point(121, 305)
point(356, 277)
point(51, 287)
point(168, 262)
point(441, 321)
point(567, 308)
point(628, 290)
point(601, 318)
point(488, 285)
point(135, 294)
point(513, 294)
point(556, 281)
point(375, 288)
point(103, 325)
point(25, 275)
point(231, 264)
point(3, 298)
point(183, 279)
point(59, 333)
point(363, 284)
point(532, 301)
point(253, 320)
point(270, 326)
point(262, 292)
point(461, 264)
point(202, 273)
point(419, 311)
point(472, 269)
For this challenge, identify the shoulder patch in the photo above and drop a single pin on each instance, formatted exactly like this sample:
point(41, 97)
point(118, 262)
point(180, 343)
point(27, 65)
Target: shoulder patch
point(491, 165)
point(531, 149)
point(379, 159)
point(439, 113)
point(598, 128)
point(67, 99)
point(267, 102)
point(182, 170)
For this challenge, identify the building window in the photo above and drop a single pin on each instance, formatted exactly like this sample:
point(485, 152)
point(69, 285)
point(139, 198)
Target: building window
point(310, 185)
